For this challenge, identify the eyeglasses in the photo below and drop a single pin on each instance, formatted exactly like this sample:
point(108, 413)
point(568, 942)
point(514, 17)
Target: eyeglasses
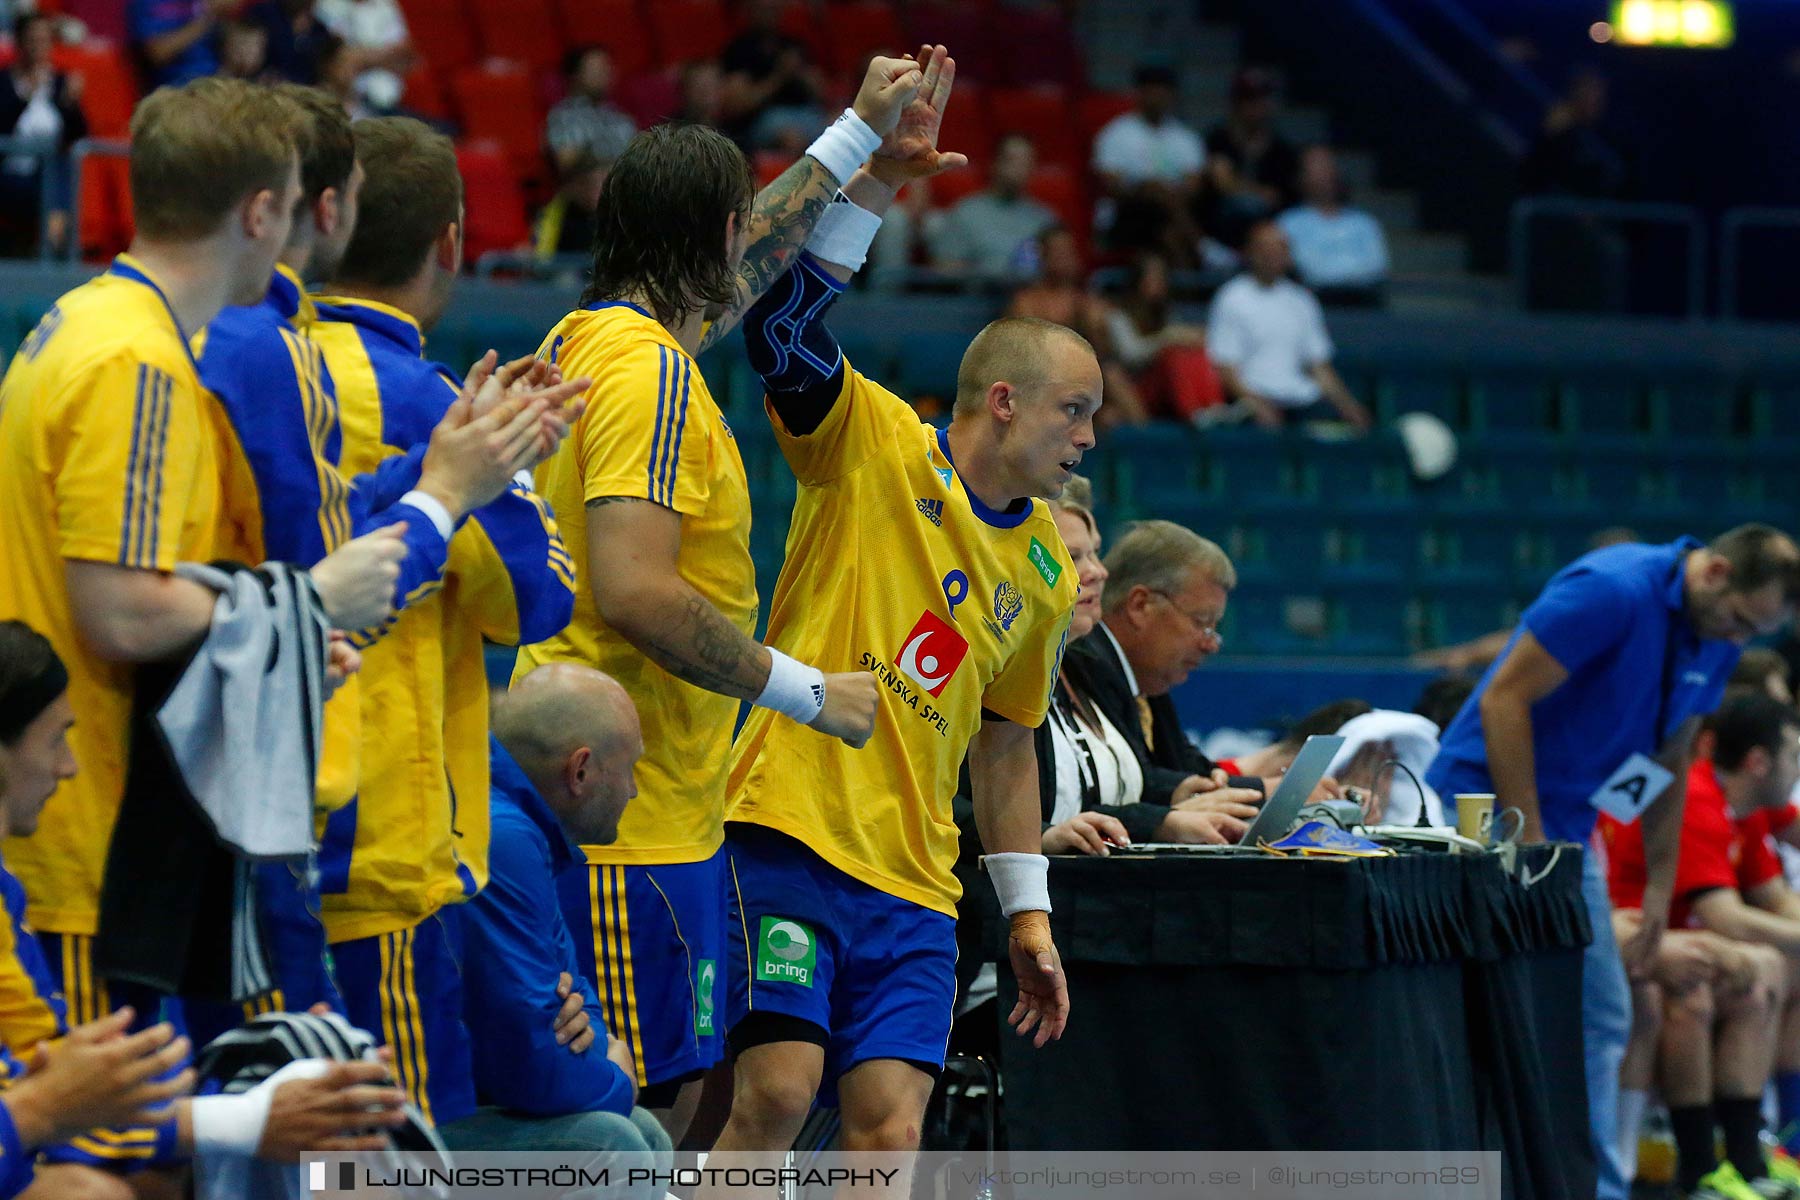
point(1206, 627)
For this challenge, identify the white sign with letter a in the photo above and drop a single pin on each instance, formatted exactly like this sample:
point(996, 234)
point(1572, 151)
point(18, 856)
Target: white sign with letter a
point(1629, 790)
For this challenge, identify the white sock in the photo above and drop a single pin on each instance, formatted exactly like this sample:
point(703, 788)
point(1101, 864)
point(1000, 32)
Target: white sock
point(1632, 1102)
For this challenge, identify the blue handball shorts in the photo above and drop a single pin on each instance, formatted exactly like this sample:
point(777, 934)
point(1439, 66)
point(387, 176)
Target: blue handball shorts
point(874, 973)
point(649, 940)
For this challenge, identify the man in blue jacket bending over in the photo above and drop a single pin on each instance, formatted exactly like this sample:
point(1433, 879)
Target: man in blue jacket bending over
point(565, 740)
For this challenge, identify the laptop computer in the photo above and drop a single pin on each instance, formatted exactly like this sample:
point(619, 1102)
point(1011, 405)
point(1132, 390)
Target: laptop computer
point(1278, 811)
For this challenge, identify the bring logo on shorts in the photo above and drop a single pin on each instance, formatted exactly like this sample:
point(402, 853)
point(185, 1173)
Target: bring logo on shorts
point(787, 951)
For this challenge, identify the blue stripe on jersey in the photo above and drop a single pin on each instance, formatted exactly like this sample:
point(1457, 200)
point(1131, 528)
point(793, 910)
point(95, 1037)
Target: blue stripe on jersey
point(165, 408)
point(686, 368)
point(137, 436)
point(651, 473)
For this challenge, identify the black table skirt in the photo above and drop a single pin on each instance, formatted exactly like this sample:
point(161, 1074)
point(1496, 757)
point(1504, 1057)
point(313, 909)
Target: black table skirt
point(1424, 1002)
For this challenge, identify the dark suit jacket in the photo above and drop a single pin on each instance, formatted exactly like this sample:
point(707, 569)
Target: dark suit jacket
point(1099, 673)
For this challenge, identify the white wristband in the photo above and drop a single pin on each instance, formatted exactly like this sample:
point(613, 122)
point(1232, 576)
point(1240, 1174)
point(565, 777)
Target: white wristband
point(1022, 881)
point(524, 480)
point(845, 146)
point(844, 233)
point(434, 508)
point(794, 689)
point(235, 1124)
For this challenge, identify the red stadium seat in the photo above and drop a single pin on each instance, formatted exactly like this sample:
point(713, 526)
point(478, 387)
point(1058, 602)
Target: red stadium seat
point(965, 29)
point(856, 30)
point(441, 31)
point(966, 126)
point(498, 102)
point(650, 98)
point(106, 221)
point(495, 219)
point(1039, 49)
point(526, 31)
point(424, 93)
point(619, 25)
point(689, 29)
point(109, 84)
point(768, 166)
point(800, 22)
point(1060, 189)
point(1099, 108)
point(1041, 113)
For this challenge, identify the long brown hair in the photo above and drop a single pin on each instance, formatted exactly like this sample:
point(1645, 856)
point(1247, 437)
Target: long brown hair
point(660, 226)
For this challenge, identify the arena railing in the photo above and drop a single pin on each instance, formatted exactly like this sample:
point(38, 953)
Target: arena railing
point(1597, 224)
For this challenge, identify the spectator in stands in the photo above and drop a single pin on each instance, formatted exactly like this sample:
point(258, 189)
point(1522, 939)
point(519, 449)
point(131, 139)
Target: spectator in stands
point(1252, 172)
point(772, 91)
point(1166, 594)
point(380, 46)
point(176, 39)
point(1060, 294)
point(1167, 358)
point(900, 244)
point(296, 38)
point(338, 74)
point(1728, 880)
point(1267, 337)
point(244, 52)
point(566, 225)
point(702, 93)
point(992, 234)
point(1572, 155)
point(1619, 659)
point(565, 740)
point(1149, 163)
point(44, 106)
point(1339, 251)
point(1764, 670)
point(585, 120)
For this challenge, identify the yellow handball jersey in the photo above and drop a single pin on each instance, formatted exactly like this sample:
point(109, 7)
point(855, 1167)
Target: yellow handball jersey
point(652, 431)
point(894, 567)
point(110, 452)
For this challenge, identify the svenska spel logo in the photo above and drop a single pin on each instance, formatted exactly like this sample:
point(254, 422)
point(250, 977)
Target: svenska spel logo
point(932, 652)
point(786, 952)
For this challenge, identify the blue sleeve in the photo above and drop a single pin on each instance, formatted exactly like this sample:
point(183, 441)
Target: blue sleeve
point(15, 1160)
point(536, 565)
point(785, 336)
point(1580, 616)
point(510, 1005)
point(151, 18)
point(422, 570)
point(397, 475)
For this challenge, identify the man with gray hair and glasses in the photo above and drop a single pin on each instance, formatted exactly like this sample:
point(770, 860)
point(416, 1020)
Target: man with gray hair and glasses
point(1166, 592)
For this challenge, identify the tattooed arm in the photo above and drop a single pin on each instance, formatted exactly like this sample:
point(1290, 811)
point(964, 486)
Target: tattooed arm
point(633, 546)
point(784, 213)
point(632, 549)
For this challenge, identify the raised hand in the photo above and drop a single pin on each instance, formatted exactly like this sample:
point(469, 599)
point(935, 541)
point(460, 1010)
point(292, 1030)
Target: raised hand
point(887, 87)
point(911, 151)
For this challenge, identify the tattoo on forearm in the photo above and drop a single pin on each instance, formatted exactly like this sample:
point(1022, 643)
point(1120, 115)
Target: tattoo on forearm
point(701, 647)
point(780, 222)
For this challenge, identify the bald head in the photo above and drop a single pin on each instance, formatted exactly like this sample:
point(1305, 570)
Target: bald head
point(574, 732)
point(1022, 351)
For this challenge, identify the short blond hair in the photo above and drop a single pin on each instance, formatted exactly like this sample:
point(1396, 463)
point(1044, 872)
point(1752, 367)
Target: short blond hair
point(197, 151)
point(1010, 349)
point(1159, 555)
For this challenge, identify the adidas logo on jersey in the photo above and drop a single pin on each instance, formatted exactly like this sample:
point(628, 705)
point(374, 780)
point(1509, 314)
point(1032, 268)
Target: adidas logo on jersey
point(933, 510)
